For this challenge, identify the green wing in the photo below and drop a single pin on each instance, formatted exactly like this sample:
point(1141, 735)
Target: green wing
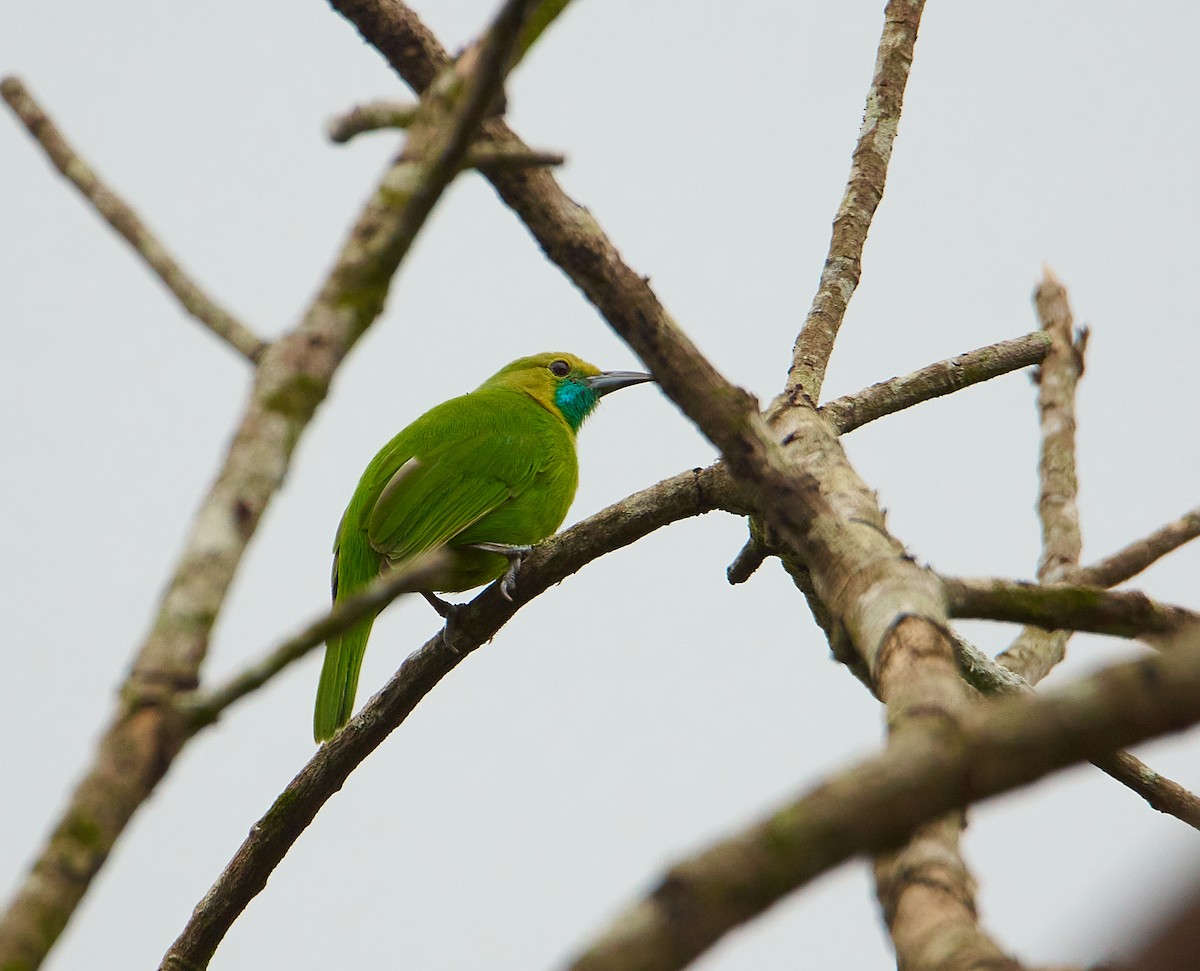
point(453, 466)
point(435, 495)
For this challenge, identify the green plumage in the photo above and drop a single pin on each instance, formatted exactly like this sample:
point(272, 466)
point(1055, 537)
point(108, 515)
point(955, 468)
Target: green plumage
point(497, 466)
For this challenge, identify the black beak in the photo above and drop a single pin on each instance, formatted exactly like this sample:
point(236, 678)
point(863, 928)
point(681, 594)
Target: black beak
point(607, 381)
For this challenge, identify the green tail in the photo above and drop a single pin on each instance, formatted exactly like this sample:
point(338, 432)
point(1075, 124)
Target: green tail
point(355, 565)
point(339, 680)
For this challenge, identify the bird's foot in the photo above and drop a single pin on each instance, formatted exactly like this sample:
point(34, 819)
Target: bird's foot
point(515, 556)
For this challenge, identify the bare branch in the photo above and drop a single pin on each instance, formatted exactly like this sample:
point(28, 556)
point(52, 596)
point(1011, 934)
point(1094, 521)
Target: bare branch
point(1161, 793)
point(117, 213)
point(1137, 556)
point(270, 838)
point(853, 411)
point(686, 495)
point(928, 898)
point(919, 776)
point(864, 190)
point(203, 708)
point(935, 380)
point(1035, 652)
point(373, 116)
point(496, 157)
point(1057, 380)
point(1061, 606)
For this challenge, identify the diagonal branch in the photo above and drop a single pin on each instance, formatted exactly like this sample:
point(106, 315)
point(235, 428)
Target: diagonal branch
point(1161, 793)
point(935, 380)
point(1128, 562)
point(864, 190)
point(117, 213)
point(919, 776)
point(203, 708)
point(689, 494)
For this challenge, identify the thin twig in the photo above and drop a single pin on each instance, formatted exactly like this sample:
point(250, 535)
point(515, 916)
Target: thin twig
point(203, 708)
point(1128, 562)
point(118, 214)
point(864, 190)
point(935, 380)
point(392, 115)
point(874, 806)
point(496, 157)
point(369, 117)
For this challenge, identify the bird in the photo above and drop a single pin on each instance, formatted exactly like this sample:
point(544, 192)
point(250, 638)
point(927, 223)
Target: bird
point(482, 477)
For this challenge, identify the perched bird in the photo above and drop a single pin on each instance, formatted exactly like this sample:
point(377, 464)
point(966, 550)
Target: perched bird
point(482, 476)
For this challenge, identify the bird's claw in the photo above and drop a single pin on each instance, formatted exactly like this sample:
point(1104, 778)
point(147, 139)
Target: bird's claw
point(508, 582)
point(515, 556)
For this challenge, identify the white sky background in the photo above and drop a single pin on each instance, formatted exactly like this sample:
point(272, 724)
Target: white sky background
point(644, 707)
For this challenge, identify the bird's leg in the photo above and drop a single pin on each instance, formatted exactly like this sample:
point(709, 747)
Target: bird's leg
point(444, 607)
point(449, 613)
point(515, 556)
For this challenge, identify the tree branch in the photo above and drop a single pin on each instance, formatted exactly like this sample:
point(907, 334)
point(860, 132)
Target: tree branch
point(1128, 562)
point(1061, 606)
point(873, 807)
point(369, 117)
point(1035, 652)
point(1160, 792)
point(203, 708)
point(853, 411)
point(117, 213)
point(864, 190)
point(935, 380)
point(688, 494)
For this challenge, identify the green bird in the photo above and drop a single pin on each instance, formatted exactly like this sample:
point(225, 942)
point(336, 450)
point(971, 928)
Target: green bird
point(482, 476)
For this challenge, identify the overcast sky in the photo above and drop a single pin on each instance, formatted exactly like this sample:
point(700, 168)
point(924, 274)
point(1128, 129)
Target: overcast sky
point(644, 707)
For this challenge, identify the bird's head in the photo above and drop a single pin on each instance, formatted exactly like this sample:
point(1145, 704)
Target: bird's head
point(563, 383)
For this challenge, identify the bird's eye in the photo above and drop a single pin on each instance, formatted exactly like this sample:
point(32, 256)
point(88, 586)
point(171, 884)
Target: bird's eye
point(560, 369)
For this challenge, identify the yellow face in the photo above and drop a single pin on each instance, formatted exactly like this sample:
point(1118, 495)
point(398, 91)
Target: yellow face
point(563, 383)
